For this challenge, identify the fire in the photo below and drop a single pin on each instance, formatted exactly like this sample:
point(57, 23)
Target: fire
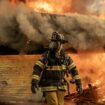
point(13, 2)
point(97, 83)
point(91, 69)
point(59, 7)
point(102, 17)
point(48, 6)
point(91, 66)
point(41, 7)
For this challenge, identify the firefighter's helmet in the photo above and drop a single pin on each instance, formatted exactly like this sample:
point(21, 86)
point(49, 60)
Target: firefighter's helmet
point(58, 37)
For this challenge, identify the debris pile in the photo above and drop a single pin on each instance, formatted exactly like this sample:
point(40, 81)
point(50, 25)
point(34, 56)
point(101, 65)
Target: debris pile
point(88, 97)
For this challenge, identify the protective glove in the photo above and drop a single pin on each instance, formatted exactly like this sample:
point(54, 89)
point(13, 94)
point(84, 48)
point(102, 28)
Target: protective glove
point(79, 86)
point(34, 86)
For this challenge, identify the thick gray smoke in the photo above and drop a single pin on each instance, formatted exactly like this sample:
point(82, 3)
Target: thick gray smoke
point(25, 30)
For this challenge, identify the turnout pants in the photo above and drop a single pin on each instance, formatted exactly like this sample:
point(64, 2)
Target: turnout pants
point(55, 97)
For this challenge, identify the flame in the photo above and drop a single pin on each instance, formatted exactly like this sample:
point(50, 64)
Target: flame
point(97, 83)
point(41, 7)
point(57, 7)
point(13, 2)
point(102, 16)
point(91, 68)
point(49, 6)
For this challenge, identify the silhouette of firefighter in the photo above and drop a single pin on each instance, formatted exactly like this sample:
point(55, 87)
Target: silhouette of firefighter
point(49, 72)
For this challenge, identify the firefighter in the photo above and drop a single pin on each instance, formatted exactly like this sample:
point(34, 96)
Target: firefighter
point(50, 69)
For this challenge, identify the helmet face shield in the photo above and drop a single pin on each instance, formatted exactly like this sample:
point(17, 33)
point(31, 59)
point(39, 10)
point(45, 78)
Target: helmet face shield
point(55, 45)
point(57, 41)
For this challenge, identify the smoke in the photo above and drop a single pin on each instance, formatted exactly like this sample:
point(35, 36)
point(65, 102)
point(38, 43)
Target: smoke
point(81, 6)
point(19, 25)
point(98, 7)
point(9, 34)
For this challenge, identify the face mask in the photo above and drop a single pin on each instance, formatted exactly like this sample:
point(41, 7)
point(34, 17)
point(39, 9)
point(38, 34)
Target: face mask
point(55, 46)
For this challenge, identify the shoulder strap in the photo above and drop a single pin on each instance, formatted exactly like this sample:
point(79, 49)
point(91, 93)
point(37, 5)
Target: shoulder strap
point(47, 55)
point(45, 58)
